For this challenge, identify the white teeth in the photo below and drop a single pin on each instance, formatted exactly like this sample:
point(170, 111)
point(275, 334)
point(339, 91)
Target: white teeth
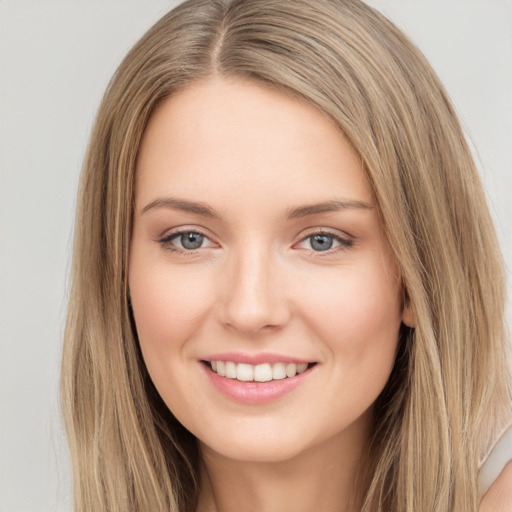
point(230, 370)
point(262, 372)
point(221, 368)
point(279, 371)
point(291, 370)
point(259, 373)
point(244, 372)
point(302, 367)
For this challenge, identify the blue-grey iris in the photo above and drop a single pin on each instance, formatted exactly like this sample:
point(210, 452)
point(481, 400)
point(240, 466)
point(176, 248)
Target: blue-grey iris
point(321, 242)
point(191, 240)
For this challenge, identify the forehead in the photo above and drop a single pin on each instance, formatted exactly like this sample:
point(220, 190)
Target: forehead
point(227, 138)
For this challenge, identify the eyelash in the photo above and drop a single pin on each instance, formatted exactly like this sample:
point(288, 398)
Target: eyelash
point(344, 243)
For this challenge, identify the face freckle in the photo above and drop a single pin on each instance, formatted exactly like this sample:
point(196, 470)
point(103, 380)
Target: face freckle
point(256, 242)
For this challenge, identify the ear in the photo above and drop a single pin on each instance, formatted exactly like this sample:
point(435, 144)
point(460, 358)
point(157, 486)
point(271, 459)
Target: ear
point(409, 316)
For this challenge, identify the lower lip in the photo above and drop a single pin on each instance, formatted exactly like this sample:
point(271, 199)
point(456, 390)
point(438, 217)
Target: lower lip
point(255, 392)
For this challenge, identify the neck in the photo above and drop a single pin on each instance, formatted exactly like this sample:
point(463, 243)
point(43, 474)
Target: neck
point(326, 477)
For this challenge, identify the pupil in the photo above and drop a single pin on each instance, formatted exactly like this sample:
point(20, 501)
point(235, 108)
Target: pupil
point(321, 242)
point(191, 240)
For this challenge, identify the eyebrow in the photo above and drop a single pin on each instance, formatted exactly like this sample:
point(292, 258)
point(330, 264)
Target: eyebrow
point(333, 205)
point(183, 205)
point(204, 210)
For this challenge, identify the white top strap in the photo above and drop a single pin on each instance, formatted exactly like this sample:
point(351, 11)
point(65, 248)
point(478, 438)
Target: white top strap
point(496, 461)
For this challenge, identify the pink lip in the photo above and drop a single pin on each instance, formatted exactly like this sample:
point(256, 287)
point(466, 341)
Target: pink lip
point(254, 359)
point(255, 392)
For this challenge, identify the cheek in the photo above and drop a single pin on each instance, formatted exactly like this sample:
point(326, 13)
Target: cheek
point(167, 305)
point(354, 301)
point(357, 316)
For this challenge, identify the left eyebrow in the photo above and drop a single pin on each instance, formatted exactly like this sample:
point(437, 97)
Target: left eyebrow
point(333, 205)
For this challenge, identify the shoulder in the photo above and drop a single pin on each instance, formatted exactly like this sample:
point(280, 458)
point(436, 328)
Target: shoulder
point(499, 497)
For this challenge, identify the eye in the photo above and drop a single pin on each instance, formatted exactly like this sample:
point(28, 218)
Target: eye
point(323, 242)
point(186, 241)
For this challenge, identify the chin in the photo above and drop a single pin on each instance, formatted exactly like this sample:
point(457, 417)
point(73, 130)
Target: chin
point(262, 450)
point(267, 442)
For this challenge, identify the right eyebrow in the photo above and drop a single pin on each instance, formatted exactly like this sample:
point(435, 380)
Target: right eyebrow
point(182, 205)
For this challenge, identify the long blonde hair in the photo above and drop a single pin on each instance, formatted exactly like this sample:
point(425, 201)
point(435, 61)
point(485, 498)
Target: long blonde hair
point(449, 391)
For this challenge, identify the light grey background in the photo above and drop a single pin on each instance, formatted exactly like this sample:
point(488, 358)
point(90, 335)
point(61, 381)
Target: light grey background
point(56, 59)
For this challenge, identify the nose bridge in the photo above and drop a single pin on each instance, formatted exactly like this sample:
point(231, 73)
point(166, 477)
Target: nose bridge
point(253, 298)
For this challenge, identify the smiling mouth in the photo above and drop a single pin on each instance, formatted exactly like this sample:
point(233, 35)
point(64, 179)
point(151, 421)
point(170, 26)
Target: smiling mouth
point(265, 372)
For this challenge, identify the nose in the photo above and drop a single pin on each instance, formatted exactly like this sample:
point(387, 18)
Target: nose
point(253, 295)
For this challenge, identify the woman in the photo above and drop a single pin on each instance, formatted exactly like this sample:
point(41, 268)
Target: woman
point(287, 291)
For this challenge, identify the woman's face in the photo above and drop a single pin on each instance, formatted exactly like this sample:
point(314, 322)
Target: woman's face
point(257, 250)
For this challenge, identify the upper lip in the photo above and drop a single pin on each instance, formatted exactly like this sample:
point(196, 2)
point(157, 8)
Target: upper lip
point(254, 359)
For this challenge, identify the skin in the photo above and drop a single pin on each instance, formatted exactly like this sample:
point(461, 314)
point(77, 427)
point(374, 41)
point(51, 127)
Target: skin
point(499, 497)
point(251, 155)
